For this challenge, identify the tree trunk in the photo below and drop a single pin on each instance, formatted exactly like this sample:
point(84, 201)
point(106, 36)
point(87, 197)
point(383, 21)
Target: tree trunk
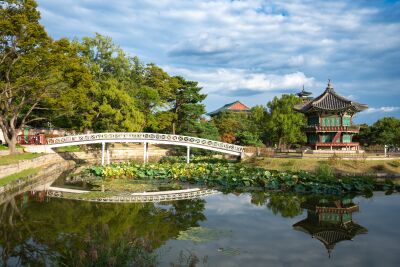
point(10, 136)
point(12, 145)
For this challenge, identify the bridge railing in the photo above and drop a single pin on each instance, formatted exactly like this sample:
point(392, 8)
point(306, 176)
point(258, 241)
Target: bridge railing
point(145, 137)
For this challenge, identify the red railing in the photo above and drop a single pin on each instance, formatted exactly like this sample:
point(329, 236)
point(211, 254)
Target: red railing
point(317, 128)
point(337, 144)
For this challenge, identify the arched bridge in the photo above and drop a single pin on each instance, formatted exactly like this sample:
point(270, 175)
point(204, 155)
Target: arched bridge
point(145, 138)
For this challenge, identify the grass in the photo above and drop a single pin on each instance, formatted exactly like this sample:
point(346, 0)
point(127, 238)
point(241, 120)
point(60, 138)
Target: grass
point(338, 165)
point(3, 147)
point(10, 159)
point(69, 149)
point(19, 175)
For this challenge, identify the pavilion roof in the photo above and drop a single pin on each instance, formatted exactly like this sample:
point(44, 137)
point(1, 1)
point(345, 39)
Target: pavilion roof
point(236, 106)
point(329, 100)
point(330, 234)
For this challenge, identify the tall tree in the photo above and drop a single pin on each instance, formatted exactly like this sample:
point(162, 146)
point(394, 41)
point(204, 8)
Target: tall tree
point(30, 67)
point(283, 123)
point(153, 93)
point(186, 105)
point(114, 107)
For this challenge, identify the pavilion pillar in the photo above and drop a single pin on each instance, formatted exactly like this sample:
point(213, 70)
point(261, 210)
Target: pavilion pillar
point(102, 152)
point(188, 154)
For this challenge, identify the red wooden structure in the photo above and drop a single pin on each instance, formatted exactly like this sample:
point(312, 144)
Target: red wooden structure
point(37, 139)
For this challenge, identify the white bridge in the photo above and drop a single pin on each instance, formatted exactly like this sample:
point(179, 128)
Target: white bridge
point(146, 139)
point(159, 196)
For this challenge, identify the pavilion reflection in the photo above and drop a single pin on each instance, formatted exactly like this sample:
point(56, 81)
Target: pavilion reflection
point(330, 221)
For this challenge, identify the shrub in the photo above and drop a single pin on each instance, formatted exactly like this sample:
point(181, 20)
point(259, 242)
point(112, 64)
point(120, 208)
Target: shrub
point(334, 159)
point(395, 163)
point(324, 171)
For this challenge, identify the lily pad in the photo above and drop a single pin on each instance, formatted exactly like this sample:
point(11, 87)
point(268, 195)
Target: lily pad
point(203, 234)
point(229, 251)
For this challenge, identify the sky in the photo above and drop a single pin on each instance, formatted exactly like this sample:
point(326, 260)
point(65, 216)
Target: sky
point(253, 50)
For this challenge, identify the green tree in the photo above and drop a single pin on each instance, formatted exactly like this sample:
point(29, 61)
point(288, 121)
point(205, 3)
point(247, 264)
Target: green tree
point(364, 136)
point(31, 67)
point(154, 92)
point(186, 105)
point(229, 124)
point(254, 127)
point(73, 108)
point(283, 123)
point(386, 131)
point(241, 127)
point(114, 107)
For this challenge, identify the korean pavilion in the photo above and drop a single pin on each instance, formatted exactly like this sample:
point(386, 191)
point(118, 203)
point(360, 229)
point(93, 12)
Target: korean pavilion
point(330, 120)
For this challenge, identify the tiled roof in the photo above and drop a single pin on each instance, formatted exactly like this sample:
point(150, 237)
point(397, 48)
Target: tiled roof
point(234, 106)
point(330, 101)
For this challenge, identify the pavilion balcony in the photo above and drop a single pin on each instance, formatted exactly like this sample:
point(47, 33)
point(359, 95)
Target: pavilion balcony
point(318, 128)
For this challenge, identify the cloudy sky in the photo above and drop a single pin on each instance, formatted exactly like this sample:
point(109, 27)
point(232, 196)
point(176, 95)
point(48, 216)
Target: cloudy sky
point(253, 50)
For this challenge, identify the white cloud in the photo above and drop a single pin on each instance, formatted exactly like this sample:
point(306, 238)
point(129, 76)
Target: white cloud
point(242, 48)
point(382, 110)
point(230, 81)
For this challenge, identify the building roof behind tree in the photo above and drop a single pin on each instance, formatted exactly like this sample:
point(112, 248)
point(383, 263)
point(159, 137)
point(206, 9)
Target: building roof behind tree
point(236, 106)
point(330, 101)
point(304, 93)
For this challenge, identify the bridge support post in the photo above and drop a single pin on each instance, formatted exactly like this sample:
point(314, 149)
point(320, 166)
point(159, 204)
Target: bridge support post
point(102, 152)
point(108, 153)
point(188, 154)
point(145, 151)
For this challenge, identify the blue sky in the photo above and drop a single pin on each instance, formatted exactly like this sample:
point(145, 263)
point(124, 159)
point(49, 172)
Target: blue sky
point(253, 50)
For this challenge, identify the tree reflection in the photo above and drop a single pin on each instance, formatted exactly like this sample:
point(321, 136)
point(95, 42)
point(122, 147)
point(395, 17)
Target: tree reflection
point(284, 204)
point(78, 233)
point(13, 238)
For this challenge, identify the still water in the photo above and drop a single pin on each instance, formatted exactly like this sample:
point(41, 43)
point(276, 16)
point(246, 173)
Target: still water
point(258, 229)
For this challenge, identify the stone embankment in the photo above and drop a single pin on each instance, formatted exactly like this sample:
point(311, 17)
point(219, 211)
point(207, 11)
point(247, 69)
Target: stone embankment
point(21, 165)
point(37, 182)
point(116, 154)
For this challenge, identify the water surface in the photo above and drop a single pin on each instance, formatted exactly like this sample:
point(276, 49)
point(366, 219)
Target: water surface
point(258, 229)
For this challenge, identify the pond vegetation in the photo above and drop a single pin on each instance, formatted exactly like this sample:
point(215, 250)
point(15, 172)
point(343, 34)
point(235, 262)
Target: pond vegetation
point(228, 176)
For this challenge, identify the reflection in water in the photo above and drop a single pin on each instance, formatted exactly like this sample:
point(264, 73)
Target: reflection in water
point(285, 204)
point(330, 220)
point(36, 230)
point(39, 231)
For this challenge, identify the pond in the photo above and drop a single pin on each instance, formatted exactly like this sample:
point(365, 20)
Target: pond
point(254, 229)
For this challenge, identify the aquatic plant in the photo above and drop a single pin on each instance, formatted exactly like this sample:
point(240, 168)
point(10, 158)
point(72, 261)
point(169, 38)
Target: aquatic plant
point(232, 176)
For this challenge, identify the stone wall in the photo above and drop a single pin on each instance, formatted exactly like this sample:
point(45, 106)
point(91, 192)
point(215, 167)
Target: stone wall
point(6, 170)
point(118, 153)
point(37, 182)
